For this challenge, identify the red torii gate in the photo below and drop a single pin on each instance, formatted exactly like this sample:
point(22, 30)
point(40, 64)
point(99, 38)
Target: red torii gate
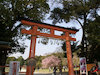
point(33, 31)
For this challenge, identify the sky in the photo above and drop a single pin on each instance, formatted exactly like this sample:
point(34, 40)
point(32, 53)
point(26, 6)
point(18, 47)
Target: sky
point(42, 49)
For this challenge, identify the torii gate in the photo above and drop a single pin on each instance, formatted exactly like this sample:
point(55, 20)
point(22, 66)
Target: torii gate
point(33, 32)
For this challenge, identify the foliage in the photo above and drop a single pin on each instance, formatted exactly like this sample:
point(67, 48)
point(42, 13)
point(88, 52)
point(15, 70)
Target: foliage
point(50, 61)
point(93, 30)
point(21, 60)
point(82, 11)
point(73, 48)
point(10, 59)
point(57, 54)
point(11, 12)
point(39, 60)
point(75, 59)
point(64, 61)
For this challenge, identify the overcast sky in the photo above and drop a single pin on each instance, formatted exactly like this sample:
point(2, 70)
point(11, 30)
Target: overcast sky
point(42, 49)
point(45, 49)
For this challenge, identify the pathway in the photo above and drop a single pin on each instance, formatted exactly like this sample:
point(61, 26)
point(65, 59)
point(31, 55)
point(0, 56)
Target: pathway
point(64, 73)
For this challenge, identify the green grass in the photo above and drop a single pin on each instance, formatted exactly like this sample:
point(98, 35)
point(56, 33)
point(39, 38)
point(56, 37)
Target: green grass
point(44, 70)
point(47, 70)
point(7, 69)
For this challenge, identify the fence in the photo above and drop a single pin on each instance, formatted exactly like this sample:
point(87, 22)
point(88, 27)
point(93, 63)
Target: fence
point(7, 70)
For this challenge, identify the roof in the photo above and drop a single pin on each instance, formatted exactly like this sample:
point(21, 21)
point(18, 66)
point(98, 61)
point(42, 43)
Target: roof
point(5, 45)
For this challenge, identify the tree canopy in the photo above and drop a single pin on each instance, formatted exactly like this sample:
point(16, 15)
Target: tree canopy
point(93, 30)
point(50, 61)
point(11, 11)
point(82, 11)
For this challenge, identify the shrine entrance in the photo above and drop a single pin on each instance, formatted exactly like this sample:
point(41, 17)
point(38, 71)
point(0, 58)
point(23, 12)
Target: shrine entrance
point(34, 33)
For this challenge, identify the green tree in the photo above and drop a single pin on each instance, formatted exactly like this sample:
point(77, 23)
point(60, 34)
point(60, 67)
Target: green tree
point(39, 61)
point(64, 61)
point(58, 54)
point(73, 48)
point(75, 59)
point(21, 60)
point(11, 11)
point(93, 30)
point(10, 59)
point(79, 10)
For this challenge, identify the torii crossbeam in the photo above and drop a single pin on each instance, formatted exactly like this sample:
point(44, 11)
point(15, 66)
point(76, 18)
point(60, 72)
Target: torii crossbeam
point(34, 33)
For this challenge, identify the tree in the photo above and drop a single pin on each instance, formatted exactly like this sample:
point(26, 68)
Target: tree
point(73, 48)
point(21, 60)
point(79, 10)
point(10, 59)
point(93, 30)
point(11, 12)
point(64, 61)
point(50, 61)
point(75, 59)
point(57, 54)
point(39, 60)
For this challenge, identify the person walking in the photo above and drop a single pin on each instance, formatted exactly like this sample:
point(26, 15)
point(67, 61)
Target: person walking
point(60, 70)
point(54, 70)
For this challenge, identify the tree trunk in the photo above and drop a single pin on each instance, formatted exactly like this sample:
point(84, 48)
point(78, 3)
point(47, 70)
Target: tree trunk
point(82, 43)
point(83, 52)
point(3, 58)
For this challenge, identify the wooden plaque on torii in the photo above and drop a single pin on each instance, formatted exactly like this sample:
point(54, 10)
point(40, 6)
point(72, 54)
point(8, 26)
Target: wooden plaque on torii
point(34, 33)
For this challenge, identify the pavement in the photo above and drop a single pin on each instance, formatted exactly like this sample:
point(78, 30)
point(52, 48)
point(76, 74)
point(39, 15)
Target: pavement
point(64, 73)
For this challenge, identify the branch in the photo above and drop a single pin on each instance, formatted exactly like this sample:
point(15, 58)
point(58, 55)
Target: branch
point(17, 27)
point(27, 10)
point(80, 23)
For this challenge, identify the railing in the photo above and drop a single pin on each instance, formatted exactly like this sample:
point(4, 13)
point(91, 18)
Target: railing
point(7, 70)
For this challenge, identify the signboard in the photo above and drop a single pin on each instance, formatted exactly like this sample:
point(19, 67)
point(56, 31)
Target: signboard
point(89, 66)
point(14, 68)
point(83, 67)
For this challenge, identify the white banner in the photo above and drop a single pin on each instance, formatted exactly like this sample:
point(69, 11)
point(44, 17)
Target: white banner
point(14, 68)
point(83, 67)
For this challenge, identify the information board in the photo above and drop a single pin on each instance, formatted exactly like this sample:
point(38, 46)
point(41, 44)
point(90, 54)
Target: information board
point(14, 68)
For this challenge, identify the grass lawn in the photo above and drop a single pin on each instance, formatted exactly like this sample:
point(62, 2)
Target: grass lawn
point(44, 70)
point(47, 70)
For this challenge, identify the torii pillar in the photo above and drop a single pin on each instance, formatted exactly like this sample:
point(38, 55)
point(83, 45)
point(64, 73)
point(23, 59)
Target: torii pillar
point(32, 50)
point(34, 34)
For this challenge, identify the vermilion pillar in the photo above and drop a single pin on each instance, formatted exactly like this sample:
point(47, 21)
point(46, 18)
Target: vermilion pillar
point(32, 50)
point(69, 55)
